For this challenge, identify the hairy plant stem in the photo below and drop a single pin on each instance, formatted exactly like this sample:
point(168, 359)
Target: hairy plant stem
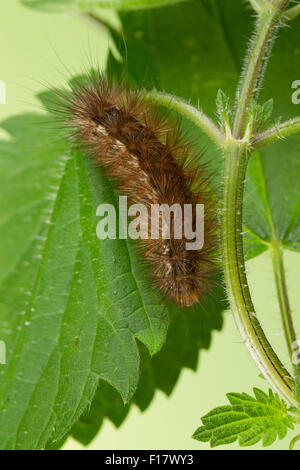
point(260, 49)
point(186, 109)
point(236, 152)
point(256, 5)
point(236, 159)
point(276, 133)
point(294, 442)
point(282, 294)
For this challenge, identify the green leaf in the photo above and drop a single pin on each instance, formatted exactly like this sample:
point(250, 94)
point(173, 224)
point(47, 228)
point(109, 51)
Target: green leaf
point(95, 5)
point(260, 115)
point(189, 333)
point(247, 420)
point(73, 308)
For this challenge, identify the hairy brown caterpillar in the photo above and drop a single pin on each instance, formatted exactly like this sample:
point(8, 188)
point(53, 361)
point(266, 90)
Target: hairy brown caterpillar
point(148, 159)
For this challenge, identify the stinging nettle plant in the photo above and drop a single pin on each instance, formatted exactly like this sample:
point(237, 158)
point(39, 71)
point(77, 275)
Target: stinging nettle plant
point(65, 289)
point(239, 134)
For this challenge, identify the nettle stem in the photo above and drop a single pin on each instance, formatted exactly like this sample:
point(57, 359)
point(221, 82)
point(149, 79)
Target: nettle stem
point(258, 55)
point(237, 145)
point(236, 159)
point(189, 111)
point(294, 442)
point(275, 133)
point(282, 294)
point(236, 153)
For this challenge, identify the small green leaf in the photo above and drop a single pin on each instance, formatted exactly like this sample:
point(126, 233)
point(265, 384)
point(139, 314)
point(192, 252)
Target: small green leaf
point(260, 115)
point(224, 109)
point(247, 419)
point(267, 110)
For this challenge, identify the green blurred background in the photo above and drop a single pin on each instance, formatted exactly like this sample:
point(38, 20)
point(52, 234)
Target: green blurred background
point(40, 50)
